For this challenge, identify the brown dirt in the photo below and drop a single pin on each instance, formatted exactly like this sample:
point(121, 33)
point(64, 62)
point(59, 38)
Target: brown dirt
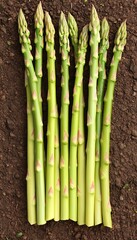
point(13, 125)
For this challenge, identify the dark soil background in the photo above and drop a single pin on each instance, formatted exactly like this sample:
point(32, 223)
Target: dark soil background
point(13, 215)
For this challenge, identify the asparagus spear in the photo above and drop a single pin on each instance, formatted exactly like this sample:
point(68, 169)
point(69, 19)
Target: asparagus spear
point(75, 121)
point(94, 27)
point(64, 48)
point(120, 41)
point(56, 174)
point(104, 45)
point(31, 203)
point(52, 114)
point(39, 25)
point(73, 30)
point(38, 125)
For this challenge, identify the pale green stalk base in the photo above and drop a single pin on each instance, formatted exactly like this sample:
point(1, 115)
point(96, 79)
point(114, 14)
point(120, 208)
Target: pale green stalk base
point(57, 177)
point(81, 163)
point(31, 202)
point(98, 209)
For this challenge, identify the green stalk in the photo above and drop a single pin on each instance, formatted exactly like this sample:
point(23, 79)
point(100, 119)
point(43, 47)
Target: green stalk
point(83, 41)
point(39, 25)
point(39, 44)
point(38, 125)
point(120, 41)
point(104, 45)
point(94, 28)
point(64, 48)
point(52, 115)
point(31, 203)
point(73, 30)
point(57, 175)
point(81, 162)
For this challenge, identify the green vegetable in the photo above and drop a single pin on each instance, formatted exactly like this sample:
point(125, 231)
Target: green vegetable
point(52, 115)
point(104, 45)
point(64, 49)
point(83, 41)
point(94, 28)
point(38, 125)
point(120, 41)
point(73, 29)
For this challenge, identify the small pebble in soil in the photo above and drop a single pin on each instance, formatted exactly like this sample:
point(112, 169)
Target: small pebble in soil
point(9, 124)
point(134, 132)
point(121, 145)
point(19, 234)
point(9, 43)
point(84, 237)
point(78, 235)
point(26, 11)
point(3, 97)
point(118, 182)
point(121, 198)
point(24, 237)
point(11, 54)
point(20, 154)
point(12, 135)
point(16, 176)
point(18, 194)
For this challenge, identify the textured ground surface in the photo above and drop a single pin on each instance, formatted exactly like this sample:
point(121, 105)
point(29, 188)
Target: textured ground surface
point(13, 125)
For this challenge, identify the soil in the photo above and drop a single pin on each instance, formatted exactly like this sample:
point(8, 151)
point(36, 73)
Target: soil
point(13, 215)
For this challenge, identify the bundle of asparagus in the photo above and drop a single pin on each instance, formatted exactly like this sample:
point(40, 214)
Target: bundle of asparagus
point(81, 175)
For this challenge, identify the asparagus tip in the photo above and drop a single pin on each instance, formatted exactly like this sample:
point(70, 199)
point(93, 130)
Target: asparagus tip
point(39, 12)
point(120, 39)
point(50, 30)
point(22, 23)
point(73, 28)
point(21, 15)
point(105, 33)
point(63, 29)
point(62, 15)
point(69, 15)
point(83, 39)
point(62, 21)
point(94, 20)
